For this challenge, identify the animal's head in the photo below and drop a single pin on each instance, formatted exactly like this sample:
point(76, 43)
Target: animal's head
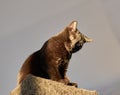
point(77, 39)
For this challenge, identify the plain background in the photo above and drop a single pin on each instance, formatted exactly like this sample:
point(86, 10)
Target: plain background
point(26, 24)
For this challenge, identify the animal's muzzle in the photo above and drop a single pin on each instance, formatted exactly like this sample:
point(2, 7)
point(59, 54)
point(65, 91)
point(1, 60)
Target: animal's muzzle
point(77, 47)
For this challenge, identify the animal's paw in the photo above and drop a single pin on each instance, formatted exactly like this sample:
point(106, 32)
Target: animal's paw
point(73, 84)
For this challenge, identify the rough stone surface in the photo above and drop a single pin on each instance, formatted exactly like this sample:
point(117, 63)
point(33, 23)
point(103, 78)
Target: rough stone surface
point(39, 86)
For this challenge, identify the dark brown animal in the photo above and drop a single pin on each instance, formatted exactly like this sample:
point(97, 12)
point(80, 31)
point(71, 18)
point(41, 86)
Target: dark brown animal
point(51, 61)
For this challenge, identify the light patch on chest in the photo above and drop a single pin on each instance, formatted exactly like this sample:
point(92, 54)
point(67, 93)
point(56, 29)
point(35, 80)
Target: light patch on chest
point(62, 61)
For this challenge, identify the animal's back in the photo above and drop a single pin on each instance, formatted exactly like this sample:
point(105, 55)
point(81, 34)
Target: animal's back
point(35, 64)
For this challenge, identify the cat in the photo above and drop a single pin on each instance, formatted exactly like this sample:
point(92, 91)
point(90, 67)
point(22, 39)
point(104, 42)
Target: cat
point(51, 61)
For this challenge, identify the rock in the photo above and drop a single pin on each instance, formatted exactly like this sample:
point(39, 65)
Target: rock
point(33, 85)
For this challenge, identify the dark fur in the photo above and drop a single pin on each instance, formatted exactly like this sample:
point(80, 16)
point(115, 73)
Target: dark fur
point(51, 61)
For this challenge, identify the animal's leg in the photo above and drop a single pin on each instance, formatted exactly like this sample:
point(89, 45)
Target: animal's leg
point(56, 76)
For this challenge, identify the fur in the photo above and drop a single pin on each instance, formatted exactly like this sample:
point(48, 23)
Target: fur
point(51, 61)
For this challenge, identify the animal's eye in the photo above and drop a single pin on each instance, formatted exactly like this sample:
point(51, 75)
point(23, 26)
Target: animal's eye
point(78, 32)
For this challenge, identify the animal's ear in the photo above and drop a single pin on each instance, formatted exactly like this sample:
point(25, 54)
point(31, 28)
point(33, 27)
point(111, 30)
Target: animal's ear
point(73, 26)
point(87, 39)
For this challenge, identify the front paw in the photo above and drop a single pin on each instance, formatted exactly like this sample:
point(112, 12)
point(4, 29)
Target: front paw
point(73, 84)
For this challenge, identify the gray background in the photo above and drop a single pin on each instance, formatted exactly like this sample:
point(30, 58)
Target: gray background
point(26, 24)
